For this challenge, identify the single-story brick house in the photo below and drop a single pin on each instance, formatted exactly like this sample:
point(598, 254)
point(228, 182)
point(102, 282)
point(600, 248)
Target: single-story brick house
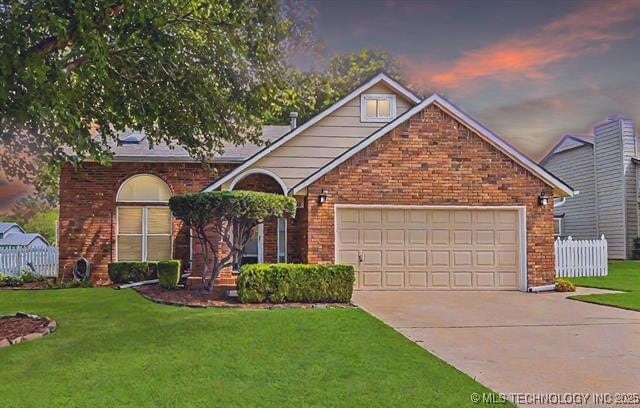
point(414, 193)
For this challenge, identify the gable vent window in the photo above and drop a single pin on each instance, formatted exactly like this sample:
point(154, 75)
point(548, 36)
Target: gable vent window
point(377, 107)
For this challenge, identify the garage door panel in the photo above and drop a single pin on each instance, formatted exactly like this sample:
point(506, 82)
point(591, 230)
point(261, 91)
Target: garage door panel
point(371, 237)
point(462, 258)
point(417, 237)
point(506, 237)
point(393, 258)
point(440, 237)
point(394, 237)
point(371, 279)
point(462, 217)
point(440, 279)
point(438, 249)
point(348, 237)
point(485, 258)
point(371, 216)
point(372, 258)
point(417, 279)
point(394, 279)
point(485, 237)
point(417, 258)
point(440, 258)
point(462, 279)
point(485, 280)
point(463, 237)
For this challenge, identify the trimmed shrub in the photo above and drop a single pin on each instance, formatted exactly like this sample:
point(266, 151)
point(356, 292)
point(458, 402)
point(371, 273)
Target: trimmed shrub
point(279, 283)
point(169, 273)
point(564, 286)
point(635, 252)
point(30, 277)
point(125, 272)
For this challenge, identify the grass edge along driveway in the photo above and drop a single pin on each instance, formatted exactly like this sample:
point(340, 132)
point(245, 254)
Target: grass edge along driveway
point(114, 348)
point(623, 276)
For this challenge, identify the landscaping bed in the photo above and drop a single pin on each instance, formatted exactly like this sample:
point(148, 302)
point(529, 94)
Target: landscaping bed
point(21, 327)
point(201, 298)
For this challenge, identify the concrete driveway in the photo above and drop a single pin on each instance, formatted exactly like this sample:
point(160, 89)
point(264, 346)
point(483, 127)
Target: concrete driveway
point(515, 342)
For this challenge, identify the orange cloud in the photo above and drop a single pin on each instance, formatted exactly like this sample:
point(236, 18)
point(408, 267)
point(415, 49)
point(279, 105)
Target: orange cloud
point(589, 29)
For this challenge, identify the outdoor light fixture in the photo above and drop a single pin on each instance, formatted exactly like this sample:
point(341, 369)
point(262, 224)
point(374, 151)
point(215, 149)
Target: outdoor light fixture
point(543, 199)
point(322, 198)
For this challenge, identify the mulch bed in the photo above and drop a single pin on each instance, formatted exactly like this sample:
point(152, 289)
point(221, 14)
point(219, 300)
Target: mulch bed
point(23, 327)
point(27, 286)
point(201, 298)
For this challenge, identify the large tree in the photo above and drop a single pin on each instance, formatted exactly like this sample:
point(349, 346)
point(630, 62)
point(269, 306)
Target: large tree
point(309, 93)
point(190, 72)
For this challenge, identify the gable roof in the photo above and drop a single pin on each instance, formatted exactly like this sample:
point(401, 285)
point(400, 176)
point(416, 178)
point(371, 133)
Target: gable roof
point(471, 123)
point(21, 239)
point(4, 226)
point(567, 142)
point(381, 77)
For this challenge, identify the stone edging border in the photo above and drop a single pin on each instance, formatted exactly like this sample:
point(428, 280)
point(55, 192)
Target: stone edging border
point(227, 305)
point(51, 327)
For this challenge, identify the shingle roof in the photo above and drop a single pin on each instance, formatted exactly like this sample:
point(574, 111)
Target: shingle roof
point(20, 239)
point(141, 151)
point(6, 225)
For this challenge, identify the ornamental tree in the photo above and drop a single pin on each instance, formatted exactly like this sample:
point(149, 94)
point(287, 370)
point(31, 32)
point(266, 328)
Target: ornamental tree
point(226, 217)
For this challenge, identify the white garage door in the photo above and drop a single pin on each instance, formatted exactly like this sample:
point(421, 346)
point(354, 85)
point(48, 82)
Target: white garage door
point(419, 249)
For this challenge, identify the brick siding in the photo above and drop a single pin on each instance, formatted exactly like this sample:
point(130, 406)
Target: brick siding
point(433, 159)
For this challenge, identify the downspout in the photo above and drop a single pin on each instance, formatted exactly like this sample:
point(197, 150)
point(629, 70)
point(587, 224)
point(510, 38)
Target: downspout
point(543, 288)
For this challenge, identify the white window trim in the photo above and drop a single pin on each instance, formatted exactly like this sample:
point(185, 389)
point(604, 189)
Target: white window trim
point(144, 233)
point(559, 219)
point(260, 228)
point(141, 201)
point(363, 111)
point(284, 221)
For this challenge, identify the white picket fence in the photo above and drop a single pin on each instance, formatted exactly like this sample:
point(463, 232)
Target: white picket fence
point(575, 258)
point(15, 260)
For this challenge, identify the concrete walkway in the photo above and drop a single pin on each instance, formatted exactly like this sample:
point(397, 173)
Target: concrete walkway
point(515, 342)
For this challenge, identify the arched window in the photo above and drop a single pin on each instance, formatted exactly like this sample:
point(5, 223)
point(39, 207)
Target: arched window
point(144, 222)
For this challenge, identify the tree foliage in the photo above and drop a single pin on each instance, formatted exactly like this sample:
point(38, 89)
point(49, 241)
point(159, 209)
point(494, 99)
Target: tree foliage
point(309, 93)
point(228, 217)
point(192, 72)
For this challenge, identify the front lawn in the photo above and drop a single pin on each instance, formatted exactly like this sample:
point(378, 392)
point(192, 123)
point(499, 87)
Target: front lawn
point(624, 276)
point(113, 348)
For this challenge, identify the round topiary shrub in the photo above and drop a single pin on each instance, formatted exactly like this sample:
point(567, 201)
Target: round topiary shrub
point(169, 273)
point(564, 286)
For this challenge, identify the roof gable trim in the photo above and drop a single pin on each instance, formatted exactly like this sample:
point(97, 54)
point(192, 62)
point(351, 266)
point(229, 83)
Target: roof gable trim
point(288, 136)
point(451, 109)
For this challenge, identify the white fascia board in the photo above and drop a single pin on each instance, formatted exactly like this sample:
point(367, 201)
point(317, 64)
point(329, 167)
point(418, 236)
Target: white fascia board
point(282, 140)
point(464, 118)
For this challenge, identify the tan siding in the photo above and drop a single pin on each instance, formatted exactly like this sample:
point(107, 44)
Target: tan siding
point(327, 139)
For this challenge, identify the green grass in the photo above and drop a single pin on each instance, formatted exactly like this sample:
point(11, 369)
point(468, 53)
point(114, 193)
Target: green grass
point(623, 276)
point(113, 348)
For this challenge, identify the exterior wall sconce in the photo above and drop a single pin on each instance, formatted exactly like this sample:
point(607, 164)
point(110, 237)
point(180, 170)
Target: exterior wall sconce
point(543, 200)
point(322, 198)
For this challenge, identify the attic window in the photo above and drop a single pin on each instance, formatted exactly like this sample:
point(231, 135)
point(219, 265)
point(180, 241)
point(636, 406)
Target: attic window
point(131, 138)
point(377, 107)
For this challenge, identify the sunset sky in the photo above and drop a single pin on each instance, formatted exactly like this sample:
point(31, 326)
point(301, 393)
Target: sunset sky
point(529, 70)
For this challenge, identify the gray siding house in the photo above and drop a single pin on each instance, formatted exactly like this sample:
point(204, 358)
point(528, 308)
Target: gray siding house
point(605, 168)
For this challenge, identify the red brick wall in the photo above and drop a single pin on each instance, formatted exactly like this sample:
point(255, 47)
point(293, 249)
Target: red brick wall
point(88, 208)
point(433, 160)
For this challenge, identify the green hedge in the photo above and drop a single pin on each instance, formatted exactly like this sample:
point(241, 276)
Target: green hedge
point(279, 283)
point(125, 272)
point(169, 273)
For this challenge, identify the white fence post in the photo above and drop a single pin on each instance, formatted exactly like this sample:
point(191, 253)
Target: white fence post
point(43, 259)
point(575, 258)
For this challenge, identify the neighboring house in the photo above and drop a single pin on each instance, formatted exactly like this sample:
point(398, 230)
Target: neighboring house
point(605, 169)
point(415, 194)
point(12, 236)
